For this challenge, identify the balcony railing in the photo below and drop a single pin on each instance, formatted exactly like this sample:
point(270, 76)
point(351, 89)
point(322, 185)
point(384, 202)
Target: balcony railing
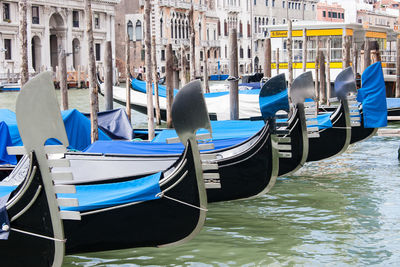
point(182, 4)
point(233, 9)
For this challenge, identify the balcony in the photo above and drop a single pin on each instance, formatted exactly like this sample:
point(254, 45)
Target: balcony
point(162, 41)
point(233, 9)
point(214, 43)
point(182, 4)
point(259, 36)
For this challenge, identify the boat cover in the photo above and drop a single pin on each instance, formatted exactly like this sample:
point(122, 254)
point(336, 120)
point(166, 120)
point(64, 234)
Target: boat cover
point(5, 141)
point(99, 196)
point(323, 121)
point(372, 95)
point(218, 77)
point(221, 130)
point(140, 86)
point(148, 148)
point(76, 124)
point(393, 102)
point(115, 124)
point(270, 104)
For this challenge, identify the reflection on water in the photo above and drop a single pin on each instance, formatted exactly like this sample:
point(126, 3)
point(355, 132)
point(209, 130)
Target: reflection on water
point(342, 211)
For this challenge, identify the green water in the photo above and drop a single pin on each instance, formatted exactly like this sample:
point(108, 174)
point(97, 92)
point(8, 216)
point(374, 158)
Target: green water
point(338, 212)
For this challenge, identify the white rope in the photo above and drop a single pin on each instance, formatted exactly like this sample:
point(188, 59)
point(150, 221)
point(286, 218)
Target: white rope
point(38, 235)
point(345, 128)
point(182, 202)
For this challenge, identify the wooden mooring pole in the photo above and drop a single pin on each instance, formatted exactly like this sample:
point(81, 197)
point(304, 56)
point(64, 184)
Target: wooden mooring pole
point(127, 78)
point(108, 77)
point(192, 44)
point(346, 51)
point(367, 56)
point(94, 98)
point(169, 80)
point(149, 87)
point(155, 75)
point(397, 67)
point(205, 71)
point(304, 50)
point(290, 55)
point(62, 63)
point(328, 70)
point(234, 73)
point(316, 71)
point(183, 65)
point(277, 61)
point(322, 87)
point(23, 41)
point(267, 55)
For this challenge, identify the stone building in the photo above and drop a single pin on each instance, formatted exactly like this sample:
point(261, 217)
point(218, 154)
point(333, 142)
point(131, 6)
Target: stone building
point(52, 26)
point(332, 13)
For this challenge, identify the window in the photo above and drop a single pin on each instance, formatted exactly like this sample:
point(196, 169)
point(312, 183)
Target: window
point(6, 11)
point(241, 52)
point(304, 7)
point(266, 2)
point(219, 28)
point(201, 55)
point(35, 15)
point(330, 14)
point(273, 21)
point(284, 21)
point(324, 13)
point(248, 52)
point(162, 55)
point(7, 48)
point(129, 30)
point(342, 15)
point(208, 53)
point(334, 15)
point(273, 3)
point(248, 29)
point(138, 30)
point(96, 21)
point(75, 19)
point(283, 4)
point(225, 28)
point(98, 52)
point(215, 53)
point(313, 7)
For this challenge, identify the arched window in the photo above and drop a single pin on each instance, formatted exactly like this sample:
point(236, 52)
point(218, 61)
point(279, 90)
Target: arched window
point(199, 31)
point(161, 27)
point(130, 30)
point(138, 30)
point(172, 28)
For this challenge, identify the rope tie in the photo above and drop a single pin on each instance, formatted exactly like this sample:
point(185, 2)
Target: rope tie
point(38, 235)
point(161, 194)
point(344, 128)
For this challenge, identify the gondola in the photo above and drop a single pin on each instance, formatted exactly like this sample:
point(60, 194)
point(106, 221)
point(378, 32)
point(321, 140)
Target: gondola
point(244, 170)
point(335, 140)
point(165, 208)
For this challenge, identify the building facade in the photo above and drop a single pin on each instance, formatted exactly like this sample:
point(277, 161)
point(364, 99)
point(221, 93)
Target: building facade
point(52, 26)
point(333, 12)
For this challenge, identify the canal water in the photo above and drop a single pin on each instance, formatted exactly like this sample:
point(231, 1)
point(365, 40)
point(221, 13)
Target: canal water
point(342, 211)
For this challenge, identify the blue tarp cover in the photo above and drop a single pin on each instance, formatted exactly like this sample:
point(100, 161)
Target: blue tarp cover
point(140, 86)
point(5, 141)
point(393, 102)
point(115, 124)
point(221, 130)
point(372, 95)
point(76, 124)
point(146, 148)
point(99, 196)
point(269, 105)
point(324, 121)
point(218, 77)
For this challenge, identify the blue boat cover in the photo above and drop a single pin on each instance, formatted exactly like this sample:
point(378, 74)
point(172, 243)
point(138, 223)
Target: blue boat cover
point(140, 86)
point(115, 124)
point(323, 121)
point(393, 102)
point(269, 105)
point(99, 196)
point(372, 95)
point(148, 148)
point(76, 124)
point(5, 141)
point(221, 130)
point(218, 77)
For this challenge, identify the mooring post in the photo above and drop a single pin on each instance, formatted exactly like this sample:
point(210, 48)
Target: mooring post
point(62, 62)
point(155, 75)
point(322, 86)
point(128, 78)
point(346, 52)
point(290, 55)
point(169, 82)
point(234, 74)
point(367, 56)
point(149, 87)
point(79, 77)
point(267, 55)
point(397, 66)
point(304, 50)
point(108, 77)
point(183, 66)
point(94, 98)
point(205, 71)
point(328, 70)
point(192, 36)
point(23, 41)
point(316, 71)
point(355, 58)
point(277, 61)
point(8, 76)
